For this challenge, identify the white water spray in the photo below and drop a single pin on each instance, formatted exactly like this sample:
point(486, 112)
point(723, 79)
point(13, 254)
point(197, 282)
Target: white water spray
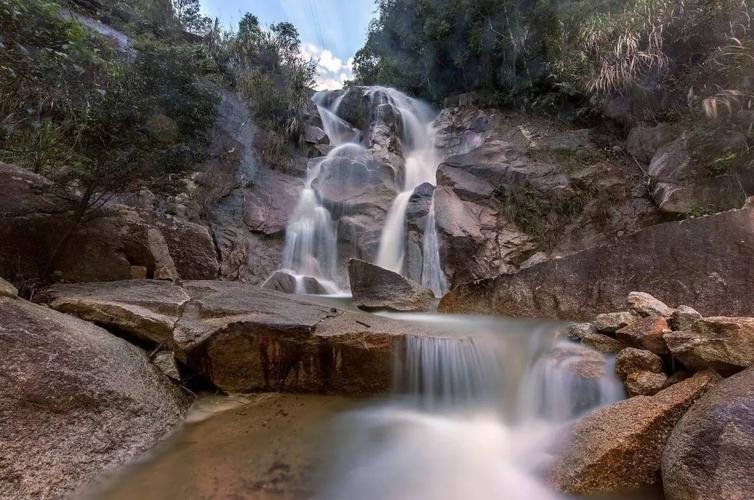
point(311, 247)
point(456, 427)
point(421, 161)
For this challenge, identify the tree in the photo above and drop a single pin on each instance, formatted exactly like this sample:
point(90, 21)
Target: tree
point(92, 121)
point(189, 14)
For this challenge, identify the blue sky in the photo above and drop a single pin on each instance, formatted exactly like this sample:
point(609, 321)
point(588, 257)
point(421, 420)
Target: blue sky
point(331, 30)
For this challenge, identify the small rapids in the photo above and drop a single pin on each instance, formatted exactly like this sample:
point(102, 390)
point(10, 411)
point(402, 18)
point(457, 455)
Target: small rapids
point(475, 415)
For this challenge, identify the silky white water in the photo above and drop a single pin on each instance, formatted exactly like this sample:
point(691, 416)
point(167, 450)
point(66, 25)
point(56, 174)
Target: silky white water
point(311, 242)
point(421, 161)
point(474, 415)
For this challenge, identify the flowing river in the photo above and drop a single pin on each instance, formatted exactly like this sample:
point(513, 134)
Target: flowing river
point(475, 415)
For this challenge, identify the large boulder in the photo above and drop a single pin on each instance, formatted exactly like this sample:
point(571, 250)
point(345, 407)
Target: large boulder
point(143, 310)
point(243, 338)
point(705, 261)
point(725, 344)
point(619, 447)
point(190, 246)
point(375, 288)
point(75, 401)
point(710, 454)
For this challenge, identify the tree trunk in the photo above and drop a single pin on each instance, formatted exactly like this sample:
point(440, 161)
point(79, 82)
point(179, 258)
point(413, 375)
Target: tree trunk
point(78, 216)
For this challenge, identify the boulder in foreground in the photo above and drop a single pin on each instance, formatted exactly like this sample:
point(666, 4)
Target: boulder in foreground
point(711, 255)
point(710, 454)
point(375, 288)
point(619, 447)
point(243, 338)
point(74, 401)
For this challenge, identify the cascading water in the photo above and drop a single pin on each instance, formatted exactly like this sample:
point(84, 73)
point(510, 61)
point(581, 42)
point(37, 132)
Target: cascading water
point(422, 159)
point(474, 416)
point(310, 240)
point(432, 275)
point(311, 247)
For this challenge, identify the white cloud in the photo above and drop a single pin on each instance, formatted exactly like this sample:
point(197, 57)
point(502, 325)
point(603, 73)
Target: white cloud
point(332, 72)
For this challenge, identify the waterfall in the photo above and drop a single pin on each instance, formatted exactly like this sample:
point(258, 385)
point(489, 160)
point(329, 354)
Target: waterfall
point(311, 241)
point(453, 428)
point(392, 242)
point(432, 275)
point(311, 248)
point(421, 161)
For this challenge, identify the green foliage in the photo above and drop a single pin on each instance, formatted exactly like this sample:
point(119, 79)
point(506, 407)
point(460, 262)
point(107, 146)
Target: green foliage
point(267, 68)
point(544, 216)
point(92, 120)
point(547, 52)
point(437, 48)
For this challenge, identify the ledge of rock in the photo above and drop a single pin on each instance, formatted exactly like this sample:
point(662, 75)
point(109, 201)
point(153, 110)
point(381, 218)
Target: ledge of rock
point(244, 338)
point(709, 454)
point(724, 344)
point(74, 401)
point(713, 254)
point(375, 288)
point(619, 447)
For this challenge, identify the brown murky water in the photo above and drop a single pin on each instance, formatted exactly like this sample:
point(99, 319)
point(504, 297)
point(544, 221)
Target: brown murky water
point(262, 446)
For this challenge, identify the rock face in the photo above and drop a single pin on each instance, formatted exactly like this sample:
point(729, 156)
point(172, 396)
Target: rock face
point(713, 254)
point(74, 401)
point(375, 288)
point(619, 447)
point(511, 187)
point(710, 454)
point(243, 338)
point(682, 184)
point(725, 344)
point(107, 247)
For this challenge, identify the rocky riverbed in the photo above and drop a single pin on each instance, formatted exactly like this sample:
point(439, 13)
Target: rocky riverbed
point(156, 299)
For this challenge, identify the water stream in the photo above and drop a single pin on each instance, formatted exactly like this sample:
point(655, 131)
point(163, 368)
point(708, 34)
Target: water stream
point(311, 246)
point(476, 416)
point(476, 412)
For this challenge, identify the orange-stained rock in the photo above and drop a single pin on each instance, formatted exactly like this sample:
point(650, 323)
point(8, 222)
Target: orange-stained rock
point(646, 333)
point(619, 447)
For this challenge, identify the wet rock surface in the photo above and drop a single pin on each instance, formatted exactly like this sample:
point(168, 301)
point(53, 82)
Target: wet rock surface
point(710, 454)
point(74, 401)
